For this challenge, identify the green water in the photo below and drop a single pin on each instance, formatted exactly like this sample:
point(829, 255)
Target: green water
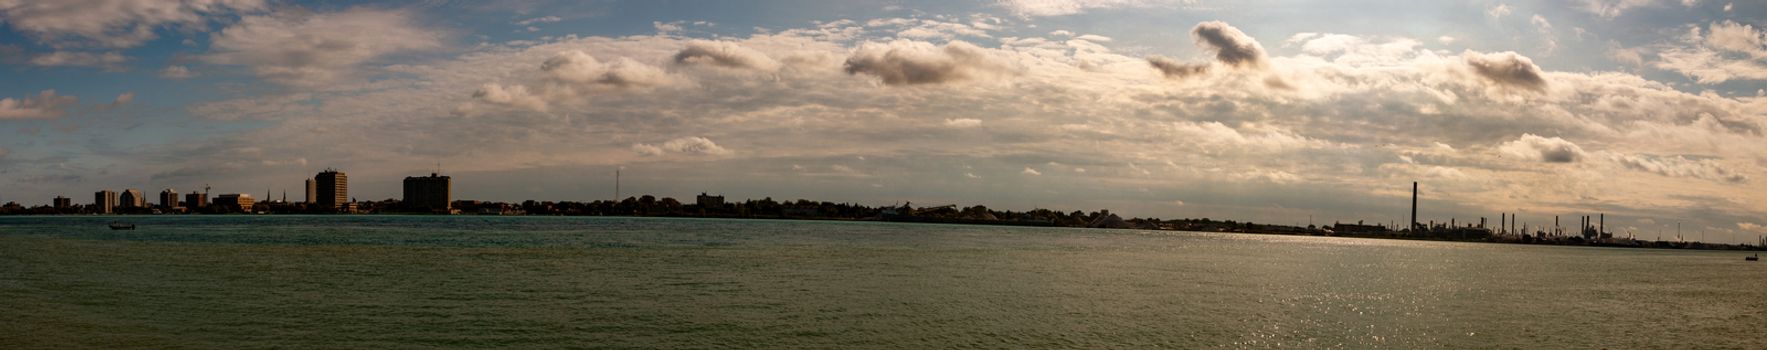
point(373, 282)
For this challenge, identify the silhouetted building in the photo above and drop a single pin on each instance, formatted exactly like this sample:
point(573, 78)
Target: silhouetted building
point(709, 202)
point(428, 193)
point(312, 187)
point(106, 201)
point(132, 198)
point(169, 198)
point(236, 202)
point(196, 200)
point(63, 202)
point(333, 189)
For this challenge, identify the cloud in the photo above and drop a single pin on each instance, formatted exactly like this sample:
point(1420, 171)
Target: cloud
point(112, 23)
point(1506, 69)
point(46, 105)
point(1498, 11)
point(577, 67)
point(693, 145)
point(176, 72)
point(725, 54)
point(1231, 46)
point(309, 50)
point(121, 100)
point(1032, 172)
point(1550, 150)
point(1613, 8)
point(909, 62)
point(1680, 166)
point(538, 20)
point(111, 61)
point(1176, 70)
point(514, 96)
point(963, 122)
point(1725, 51)
point(1546, 34)
point(1044, 8)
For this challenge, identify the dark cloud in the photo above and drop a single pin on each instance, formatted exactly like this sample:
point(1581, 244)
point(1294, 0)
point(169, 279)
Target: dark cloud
point(1506, 69)
point(1546, 149)
point(1177, 70)
point(724, 54)
point(1231, 46)
point(907, 62)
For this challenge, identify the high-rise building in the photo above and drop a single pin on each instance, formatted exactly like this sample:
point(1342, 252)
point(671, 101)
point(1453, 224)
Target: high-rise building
point(333, 188)
point(169, 198)
point(239, 202)
point(63, 202)
point(196, 200)
point(132, 198)
point(311, 195)
point(428, 193)
point(105, 200)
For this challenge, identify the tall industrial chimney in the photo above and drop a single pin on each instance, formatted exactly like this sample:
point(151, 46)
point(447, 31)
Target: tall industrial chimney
point(1413, 226)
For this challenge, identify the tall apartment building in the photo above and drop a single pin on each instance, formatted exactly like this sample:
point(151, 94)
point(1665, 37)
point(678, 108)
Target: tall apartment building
point(105, 200)
point(169, 198)
point(428, 193)
point(333, 189)
point(132, 198)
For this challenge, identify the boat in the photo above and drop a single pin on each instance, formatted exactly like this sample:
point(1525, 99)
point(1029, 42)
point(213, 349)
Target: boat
point(122, 226)
point(1756, 257)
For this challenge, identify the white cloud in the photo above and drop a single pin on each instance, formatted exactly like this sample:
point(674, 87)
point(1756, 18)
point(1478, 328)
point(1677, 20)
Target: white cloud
point(1499, 11)
point(46, 105)
point(1506, 69)
point(112, 23)
point(963, 122)
point(1043, 8)
point(692, 145)
point(309, 50)
point(538, 20)
point(1727, 51)
point(1546, 34)
point(1032, 172)
point(176, 72)
point(1614, 8)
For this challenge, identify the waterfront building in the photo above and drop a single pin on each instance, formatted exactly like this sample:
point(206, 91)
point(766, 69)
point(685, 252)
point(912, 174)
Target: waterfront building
point(105, 201)
point(196, 200)
point(312, 187)
point(169, 198)
point(431, 193)
point(240, 202)
point(132, 198)
point(709, 202)
point(63, 202)
point(333, 189)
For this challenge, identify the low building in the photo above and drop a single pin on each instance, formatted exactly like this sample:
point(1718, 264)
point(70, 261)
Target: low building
point(196, 200)
point(239, 202)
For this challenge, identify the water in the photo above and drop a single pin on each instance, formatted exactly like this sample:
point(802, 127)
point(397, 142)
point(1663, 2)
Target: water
point(413, 282)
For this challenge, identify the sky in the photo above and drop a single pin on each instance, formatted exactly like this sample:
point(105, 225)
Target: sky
point(1650, 111)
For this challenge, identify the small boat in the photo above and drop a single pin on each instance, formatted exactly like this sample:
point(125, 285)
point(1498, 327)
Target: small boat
point(1756, 257)
point(122, 226)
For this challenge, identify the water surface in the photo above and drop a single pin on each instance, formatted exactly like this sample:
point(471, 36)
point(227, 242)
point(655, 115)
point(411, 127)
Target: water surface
point(424, 282)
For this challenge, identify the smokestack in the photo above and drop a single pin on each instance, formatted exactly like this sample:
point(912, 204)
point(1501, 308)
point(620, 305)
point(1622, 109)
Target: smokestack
point(1603, 228)
point(1413, 206)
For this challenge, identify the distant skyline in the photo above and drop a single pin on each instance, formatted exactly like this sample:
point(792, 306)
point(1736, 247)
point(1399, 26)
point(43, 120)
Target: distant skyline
point(1269, 111)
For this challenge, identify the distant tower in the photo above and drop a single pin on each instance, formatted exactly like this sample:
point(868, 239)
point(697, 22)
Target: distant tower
point(1413, 205)
point(169, 198)
point(311, 188)
point(333, 189)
